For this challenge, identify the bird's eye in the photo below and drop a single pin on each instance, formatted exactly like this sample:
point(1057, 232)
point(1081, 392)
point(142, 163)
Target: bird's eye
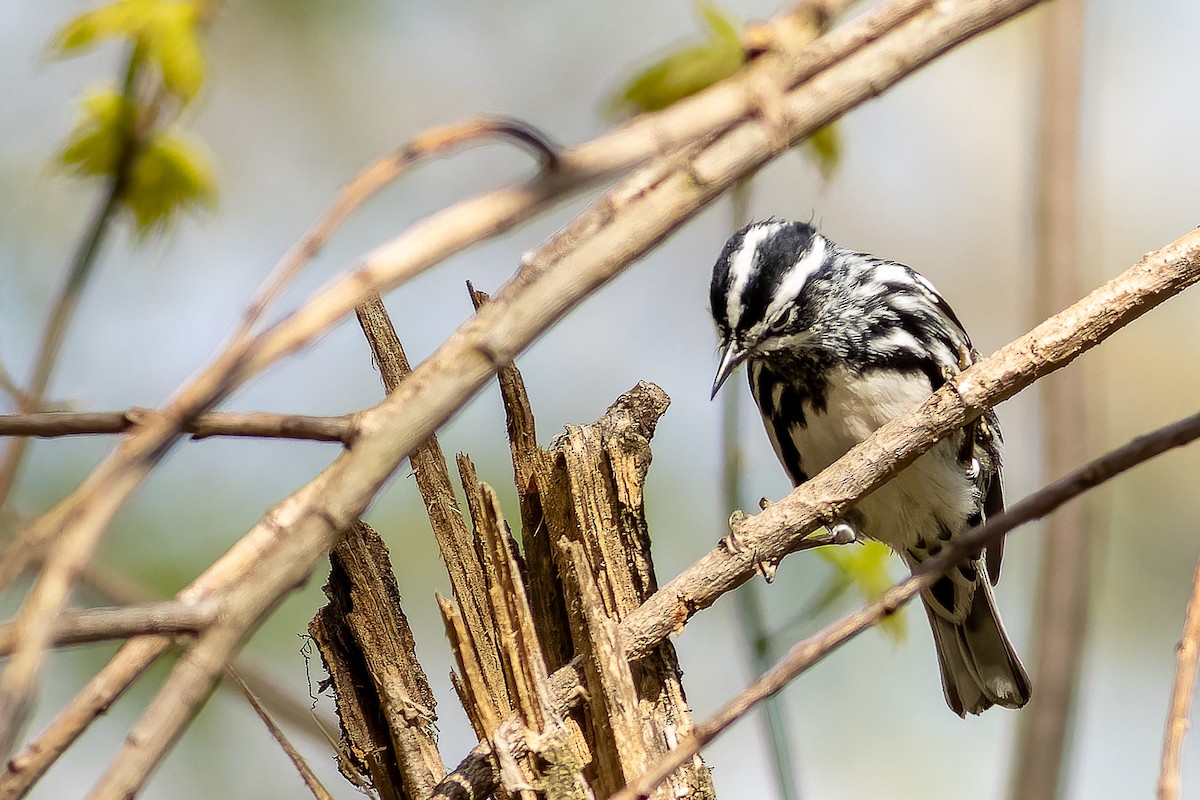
point(784, 320)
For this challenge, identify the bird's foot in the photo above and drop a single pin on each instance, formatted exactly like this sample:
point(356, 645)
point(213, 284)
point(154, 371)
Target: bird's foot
point(734, 545)
point(842, 532)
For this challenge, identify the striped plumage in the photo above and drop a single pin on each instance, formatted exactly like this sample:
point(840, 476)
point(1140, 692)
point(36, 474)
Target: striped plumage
point(838, 343)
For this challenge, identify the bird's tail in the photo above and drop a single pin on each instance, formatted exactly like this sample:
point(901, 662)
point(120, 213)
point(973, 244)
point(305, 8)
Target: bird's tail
point(980, 668)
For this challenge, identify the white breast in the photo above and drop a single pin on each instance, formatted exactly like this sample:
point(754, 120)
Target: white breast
point(933, 491)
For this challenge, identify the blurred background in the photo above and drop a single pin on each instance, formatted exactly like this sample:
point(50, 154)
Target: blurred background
point(938, 173)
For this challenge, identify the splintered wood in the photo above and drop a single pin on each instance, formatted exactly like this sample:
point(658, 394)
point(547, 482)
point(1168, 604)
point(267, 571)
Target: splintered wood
point(384, 702)
point(519, 612)
point(586, 564)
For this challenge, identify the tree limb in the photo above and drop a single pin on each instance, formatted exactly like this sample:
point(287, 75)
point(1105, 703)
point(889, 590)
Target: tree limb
point(811, 650)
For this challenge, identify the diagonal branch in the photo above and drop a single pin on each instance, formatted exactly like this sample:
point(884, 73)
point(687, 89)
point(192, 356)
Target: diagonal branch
point(745, 122)
point(811, 650)
point(784, 527)
point(603, 242)
point(315, 787)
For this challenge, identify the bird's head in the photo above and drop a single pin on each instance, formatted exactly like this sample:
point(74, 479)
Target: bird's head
point(758, 285)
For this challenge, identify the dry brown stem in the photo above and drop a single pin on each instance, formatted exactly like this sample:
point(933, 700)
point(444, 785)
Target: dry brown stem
point(78, 626)
point(1064, 583)
point(258, 424)
point(306, 774)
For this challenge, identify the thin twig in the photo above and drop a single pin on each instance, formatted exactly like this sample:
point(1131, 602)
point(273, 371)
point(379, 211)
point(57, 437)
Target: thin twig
point(811, 650)
point(1064, 583)
point(80, 270)
point(1187, 654)
point(435, 142)
point(257, 424)
point(79, 626)
point(107, 686)
point(306, 774)
point(27, 767)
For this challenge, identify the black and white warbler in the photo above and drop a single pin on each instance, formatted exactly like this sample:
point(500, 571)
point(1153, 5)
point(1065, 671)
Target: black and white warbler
point(838, 343)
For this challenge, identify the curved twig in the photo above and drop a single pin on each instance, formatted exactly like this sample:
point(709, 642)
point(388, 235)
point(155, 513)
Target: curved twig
point(435, 142)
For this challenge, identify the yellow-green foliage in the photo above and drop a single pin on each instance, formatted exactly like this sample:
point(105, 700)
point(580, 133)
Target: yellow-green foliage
point(689, 69)
point(685, 71)
point(863, 568)
point(162, 173)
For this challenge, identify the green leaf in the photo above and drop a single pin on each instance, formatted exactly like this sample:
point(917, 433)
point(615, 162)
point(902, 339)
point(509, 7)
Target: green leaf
point(116, 20)
point(865, 568)
point(824, 147)
point(171, 40)
point(164, 31)
point(170, 175)
point(94, 145)
point(687, 70)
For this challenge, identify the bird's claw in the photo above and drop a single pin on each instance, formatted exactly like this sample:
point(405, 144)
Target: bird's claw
point(734, 545)
point(842, 532)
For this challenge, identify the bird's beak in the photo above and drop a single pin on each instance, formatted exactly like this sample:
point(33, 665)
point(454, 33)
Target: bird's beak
point(731, 357)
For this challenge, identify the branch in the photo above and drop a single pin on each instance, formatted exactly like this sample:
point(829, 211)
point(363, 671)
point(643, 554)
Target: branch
point(811, 650)
point(1065, 575)
point(122, 622)
point(785, 526)
point(257, 424)
point(1187, 654)
point(106, 687)
point(78, 274)
point(438, 141)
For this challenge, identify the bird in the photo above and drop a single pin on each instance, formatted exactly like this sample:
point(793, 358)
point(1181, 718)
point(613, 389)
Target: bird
point(836, 344)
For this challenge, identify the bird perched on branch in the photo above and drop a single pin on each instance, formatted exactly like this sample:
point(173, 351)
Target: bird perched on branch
point(837, 343)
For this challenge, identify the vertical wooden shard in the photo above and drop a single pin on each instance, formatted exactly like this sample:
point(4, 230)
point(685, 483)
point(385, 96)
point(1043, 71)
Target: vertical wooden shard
point(384, 702)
